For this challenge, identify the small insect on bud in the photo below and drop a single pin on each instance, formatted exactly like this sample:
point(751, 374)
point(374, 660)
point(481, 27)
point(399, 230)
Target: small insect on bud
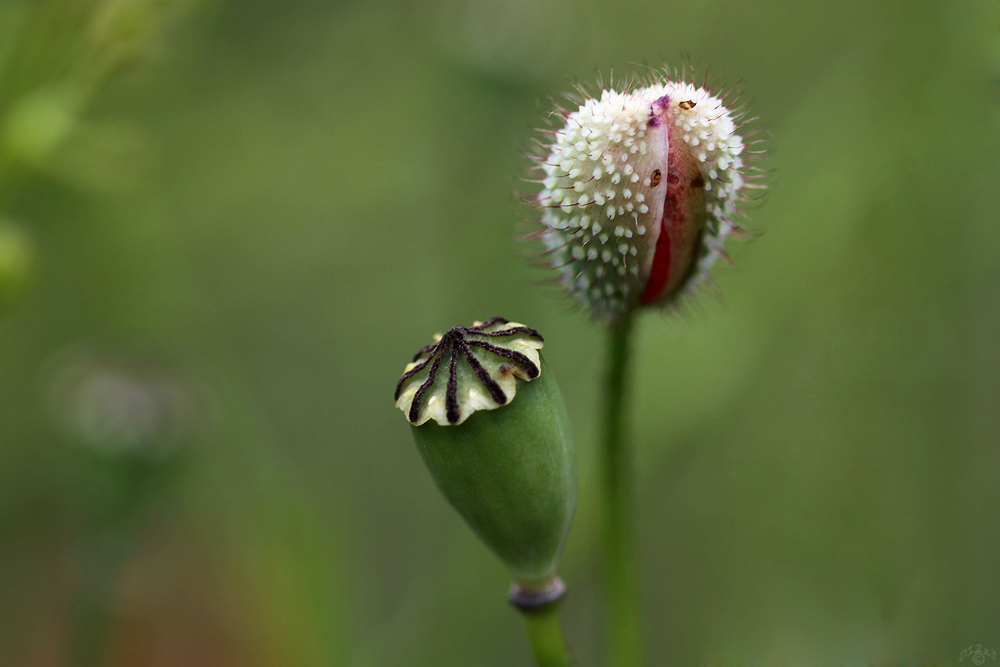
point(490, 423)
point(639, 190)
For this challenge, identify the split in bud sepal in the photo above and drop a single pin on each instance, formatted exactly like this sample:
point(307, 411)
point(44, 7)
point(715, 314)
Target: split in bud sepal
point(490, 423)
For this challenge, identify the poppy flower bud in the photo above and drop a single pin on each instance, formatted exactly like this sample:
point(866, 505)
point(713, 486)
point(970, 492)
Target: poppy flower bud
point(639, 190)
point(489, 421)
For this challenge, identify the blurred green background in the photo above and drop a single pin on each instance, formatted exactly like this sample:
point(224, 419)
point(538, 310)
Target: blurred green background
point(216, 258)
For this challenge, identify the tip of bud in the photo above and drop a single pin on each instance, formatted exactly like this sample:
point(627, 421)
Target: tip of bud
point(479, 365)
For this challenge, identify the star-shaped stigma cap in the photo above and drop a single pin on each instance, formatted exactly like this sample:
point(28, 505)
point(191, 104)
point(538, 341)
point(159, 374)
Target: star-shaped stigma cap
point(468, 369)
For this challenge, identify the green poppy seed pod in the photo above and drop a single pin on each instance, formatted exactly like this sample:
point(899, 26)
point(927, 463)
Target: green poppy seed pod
point(489, 421)
point(639, 190)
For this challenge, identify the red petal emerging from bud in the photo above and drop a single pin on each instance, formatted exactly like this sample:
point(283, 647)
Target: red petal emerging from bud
point(682, 224)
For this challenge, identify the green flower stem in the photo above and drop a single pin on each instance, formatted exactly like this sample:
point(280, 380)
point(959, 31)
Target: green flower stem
point(624, 637)
point(546, 637)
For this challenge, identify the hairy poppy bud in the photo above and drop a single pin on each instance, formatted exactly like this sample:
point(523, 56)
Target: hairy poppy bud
point(490, 424)
point(639, 190)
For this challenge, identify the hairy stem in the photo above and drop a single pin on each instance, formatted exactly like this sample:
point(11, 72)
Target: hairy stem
point(624, 635)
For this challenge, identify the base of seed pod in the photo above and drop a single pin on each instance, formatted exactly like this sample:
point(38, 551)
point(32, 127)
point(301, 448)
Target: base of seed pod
point(535, 598)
